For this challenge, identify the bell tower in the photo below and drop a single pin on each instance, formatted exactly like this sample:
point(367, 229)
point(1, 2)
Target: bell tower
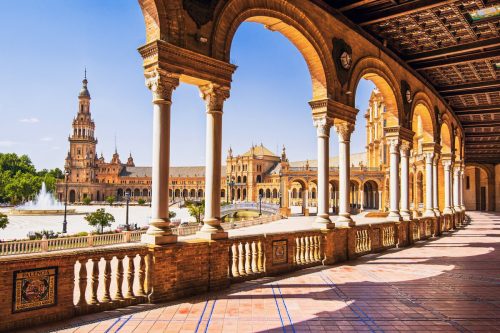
point(82, 158)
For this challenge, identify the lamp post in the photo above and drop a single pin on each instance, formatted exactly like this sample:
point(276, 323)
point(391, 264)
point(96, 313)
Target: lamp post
point(127, 198)
point(260, 204)
point(65, 222)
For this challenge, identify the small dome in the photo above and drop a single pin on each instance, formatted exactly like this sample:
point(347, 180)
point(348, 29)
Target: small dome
point(84, 91)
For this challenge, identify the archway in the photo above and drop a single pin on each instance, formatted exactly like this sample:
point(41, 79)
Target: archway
point(298, 201)
point(72, 196)
point(370, 195)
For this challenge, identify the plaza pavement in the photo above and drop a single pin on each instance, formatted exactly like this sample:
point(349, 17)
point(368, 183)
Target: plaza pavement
point(450, 284)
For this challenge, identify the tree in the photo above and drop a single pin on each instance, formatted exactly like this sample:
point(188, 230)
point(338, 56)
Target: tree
point(197, 210)
point(4, 220)
point(110, 200)
point(86, 201)
point(100, 219)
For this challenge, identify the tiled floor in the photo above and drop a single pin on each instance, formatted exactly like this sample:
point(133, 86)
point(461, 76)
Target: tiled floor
point(451, 284)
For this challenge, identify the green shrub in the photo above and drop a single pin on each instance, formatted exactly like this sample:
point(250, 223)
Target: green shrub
point(100, 219)
point(141, 201)
point(110, 200)
point(4, 220)
point(171, 214)
point(86, 201)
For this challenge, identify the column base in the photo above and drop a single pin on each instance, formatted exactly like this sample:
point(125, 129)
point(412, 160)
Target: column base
point(212, 235)
point(429, 213)
point(305, 211)
point(158, 239)
point(345, 219)
point(405, 215)
point(458, 209)
point(447, 211)
point(285, 211)
point(437, 212)
point(394, 216)
point(323, 222)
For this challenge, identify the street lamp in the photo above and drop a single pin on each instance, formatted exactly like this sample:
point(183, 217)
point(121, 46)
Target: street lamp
point(260, 204)
point(65, 222)
point(127, 198)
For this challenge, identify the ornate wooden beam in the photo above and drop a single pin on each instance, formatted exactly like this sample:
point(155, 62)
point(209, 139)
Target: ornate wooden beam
point(470, 86)
point(481, 124)
point(483, 135)
point(478, 90)
point(456, 60)
point(392, 12)
point(454, 50)
point(483, 109)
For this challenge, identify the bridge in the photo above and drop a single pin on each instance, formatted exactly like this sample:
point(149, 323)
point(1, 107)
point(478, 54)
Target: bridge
point(265, 208)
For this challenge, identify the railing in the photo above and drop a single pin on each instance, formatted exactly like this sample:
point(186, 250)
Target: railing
point(125, 273)
point(363, 241)
point(247, 258)
point(388, 238)
point(307, 250)
point(336, 169)
point(67, 243)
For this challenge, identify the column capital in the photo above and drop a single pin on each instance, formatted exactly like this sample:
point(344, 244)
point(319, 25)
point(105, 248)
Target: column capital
point(214, 96)
point(344, 129)
point(429, 156)
point(405, 148)
point(447, 164)
point(323, 125)
point(162, 84)
point(394, 144)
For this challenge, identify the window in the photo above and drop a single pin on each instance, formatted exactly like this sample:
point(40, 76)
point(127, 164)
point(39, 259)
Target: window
point(467, 183)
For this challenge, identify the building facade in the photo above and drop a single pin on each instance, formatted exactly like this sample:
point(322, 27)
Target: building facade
point(258, 174)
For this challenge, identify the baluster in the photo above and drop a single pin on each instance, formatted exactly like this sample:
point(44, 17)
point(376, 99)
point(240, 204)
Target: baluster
point(82, 284)
point(147, 274)
point(312, 251)
point(107, 281)
point(302, 251)
point(94, 282)
point(130, 278)
point(119, 279)
point(260, 257)
point(254, 257)
point(248, 258)
point(317, 248)
point(234, 257)
point(297, 251)
point(140, 275)
point(241, 258)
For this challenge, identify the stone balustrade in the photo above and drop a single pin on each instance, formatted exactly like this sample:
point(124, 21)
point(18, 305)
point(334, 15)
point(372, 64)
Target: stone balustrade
point(107, 277)
point(68, 243)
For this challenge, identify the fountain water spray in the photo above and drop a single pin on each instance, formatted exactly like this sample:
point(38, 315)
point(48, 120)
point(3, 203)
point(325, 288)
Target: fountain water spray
point(43, 201)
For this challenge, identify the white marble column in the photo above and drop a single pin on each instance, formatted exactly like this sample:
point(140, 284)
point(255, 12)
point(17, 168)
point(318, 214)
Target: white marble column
point(429, 204)
point(380, 203)
point(344, 131)
point(461, 187)
point(405, 209)
point(456, 189)
point(214, 97)
point(435, 204)
point(361, 200)
point(162, 84)
point(447, 187)
point(394, 180)
point(323, 126)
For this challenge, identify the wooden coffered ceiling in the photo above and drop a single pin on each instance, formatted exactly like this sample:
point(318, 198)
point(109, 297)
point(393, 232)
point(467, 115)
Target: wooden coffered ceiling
point(457, 55)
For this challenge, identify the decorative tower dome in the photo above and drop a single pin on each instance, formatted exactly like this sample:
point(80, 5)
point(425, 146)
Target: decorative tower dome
point(84, 92)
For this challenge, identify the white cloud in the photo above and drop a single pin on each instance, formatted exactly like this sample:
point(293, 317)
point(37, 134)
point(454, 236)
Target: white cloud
point(31, 120)
point(46, 139)
point(7, 143)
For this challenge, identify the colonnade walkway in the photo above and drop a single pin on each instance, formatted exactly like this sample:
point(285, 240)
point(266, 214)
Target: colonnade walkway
point(450, 284)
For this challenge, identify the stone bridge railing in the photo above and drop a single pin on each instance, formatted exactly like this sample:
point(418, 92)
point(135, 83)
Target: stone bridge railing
point(107, 277)
point(266, 207)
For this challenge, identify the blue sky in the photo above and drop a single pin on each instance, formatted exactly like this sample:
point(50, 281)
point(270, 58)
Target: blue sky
point(46, 45)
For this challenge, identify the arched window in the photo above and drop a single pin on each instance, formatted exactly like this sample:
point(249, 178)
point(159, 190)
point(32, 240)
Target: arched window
point(259, 179)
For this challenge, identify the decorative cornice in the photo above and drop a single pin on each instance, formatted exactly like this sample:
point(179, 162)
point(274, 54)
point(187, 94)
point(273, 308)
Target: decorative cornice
point(333, 109)
point(194, 67)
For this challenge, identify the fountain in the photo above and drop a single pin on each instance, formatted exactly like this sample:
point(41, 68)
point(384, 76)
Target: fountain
point(44, 204)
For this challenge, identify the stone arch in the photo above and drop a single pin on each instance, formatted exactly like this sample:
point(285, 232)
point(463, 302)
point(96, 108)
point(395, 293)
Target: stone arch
point(446, 138)
point(379, 73)
point(72, 196)
point(422, 107)
point(289, 20)
point(155, 12)
point(301, 181)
